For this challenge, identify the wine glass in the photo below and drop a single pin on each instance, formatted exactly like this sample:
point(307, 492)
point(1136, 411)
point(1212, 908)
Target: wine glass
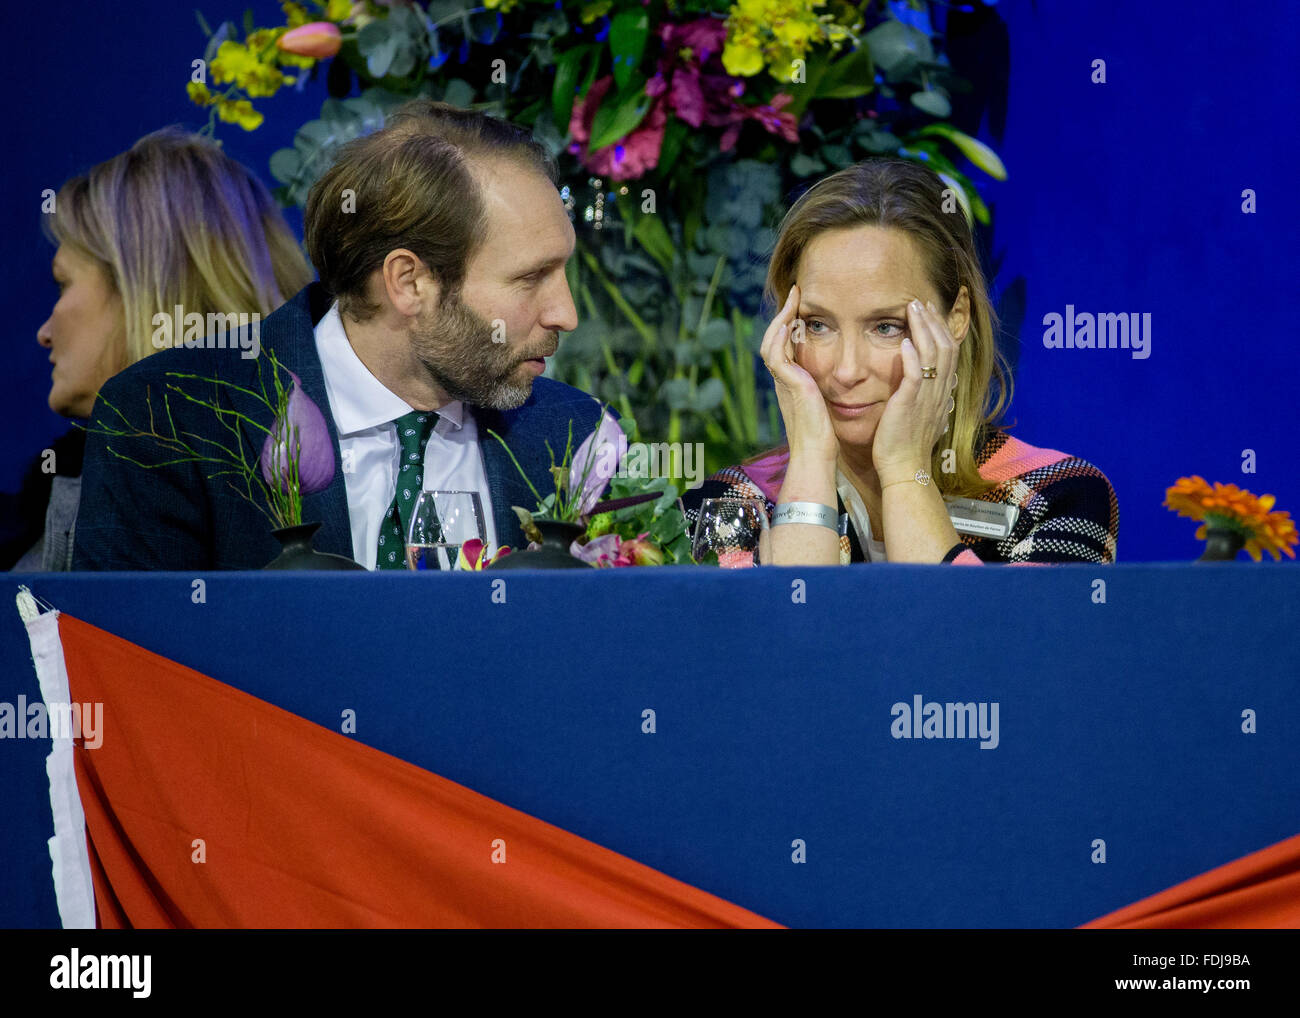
point(441, 521)
point(731, 528)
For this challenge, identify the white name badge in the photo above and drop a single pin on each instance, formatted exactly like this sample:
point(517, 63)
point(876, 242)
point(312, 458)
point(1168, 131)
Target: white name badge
point(984, 519)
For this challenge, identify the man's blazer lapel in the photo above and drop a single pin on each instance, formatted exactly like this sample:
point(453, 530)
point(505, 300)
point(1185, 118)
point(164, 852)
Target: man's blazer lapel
point(505, 486)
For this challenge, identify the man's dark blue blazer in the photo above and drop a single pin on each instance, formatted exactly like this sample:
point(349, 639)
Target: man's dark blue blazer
point(176, 517)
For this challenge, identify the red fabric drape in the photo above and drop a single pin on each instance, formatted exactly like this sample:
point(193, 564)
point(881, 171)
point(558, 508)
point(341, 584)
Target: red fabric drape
point(1258, 891)
point(303, 827)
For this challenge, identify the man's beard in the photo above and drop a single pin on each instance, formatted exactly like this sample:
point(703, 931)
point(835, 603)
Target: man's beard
point(458, 350)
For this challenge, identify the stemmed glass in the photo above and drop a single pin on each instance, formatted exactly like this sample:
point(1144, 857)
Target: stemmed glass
point(732, 529)
point(441, 521)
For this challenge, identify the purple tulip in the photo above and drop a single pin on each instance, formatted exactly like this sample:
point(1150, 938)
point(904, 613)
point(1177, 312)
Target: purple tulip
point(596, 461)
point(314, 449)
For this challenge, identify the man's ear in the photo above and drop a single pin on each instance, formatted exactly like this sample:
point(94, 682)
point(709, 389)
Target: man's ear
point(408, 283)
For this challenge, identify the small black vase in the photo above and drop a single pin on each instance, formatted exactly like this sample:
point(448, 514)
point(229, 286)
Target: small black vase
point(554, 552)
point(296, 551)
point(1221, 545)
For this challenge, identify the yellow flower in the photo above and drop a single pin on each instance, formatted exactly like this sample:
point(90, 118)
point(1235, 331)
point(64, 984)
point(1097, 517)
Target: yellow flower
point(232, 60)
point(239, 111)
point(500, 5)
point(338, 10)
point(239, 63)
point(199, 94)
point(296, 14)
point(742, 58)
point(776, 33)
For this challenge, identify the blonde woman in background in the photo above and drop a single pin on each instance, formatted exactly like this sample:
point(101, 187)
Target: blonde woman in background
point(172, 221)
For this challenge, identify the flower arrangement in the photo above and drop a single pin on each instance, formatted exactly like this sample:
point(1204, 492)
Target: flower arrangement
point(641, 523)
point(1227, 507)
point(681, 127)
point(296, 457)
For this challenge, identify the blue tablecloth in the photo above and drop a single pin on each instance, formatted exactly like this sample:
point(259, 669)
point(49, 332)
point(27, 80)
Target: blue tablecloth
point(774, 694)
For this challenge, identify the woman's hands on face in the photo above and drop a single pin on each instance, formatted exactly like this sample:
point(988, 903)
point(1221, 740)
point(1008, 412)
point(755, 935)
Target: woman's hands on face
point(808, 426)
point(914, 417)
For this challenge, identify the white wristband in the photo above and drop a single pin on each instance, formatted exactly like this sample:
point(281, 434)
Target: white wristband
point(806, 512)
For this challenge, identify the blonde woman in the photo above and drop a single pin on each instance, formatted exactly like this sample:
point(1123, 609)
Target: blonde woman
point(171, 222)
point(891, 390)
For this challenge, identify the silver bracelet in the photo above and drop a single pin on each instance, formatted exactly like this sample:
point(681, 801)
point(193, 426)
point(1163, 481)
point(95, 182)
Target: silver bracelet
point(806, 512)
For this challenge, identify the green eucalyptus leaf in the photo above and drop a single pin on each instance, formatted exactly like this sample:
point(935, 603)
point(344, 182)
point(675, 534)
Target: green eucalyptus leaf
point(717, 335)
point(897, 47)
point(709, 395)
point(381, 57)
point(932, 102)
point(676, 393)
point(804, 165)
point(837, 155)
point(285, 164)
point(459, 93)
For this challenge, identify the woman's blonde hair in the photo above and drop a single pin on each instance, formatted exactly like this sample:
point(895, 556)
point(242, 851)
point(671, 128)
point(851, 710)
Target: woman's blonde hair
point(907, 196)
point(174, 220)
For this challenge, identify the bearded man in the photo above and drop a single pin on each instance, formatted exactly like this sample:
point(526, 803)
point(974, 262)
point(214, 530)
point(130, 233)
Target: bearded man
point(440, 242)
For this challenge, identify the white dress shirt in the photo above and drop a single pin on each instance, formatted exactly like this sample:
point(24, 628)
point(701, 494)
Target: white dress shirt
point(872, 550)
point(364, 411)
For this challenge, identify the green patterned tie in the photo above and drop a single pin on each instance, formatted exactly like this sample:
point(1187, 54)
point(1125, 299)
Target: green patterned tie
point(413, 431)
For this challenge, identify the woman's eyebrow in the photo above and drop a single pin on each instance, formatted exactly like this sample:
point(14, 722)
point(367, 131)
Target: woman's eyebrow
point(897, 310)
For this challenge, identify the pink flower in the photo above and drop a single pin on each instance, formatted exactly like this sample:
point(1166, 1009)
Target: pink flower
point(471, 555)
point(628, 158)
point(599, 551)
point(769, 115)
point(641, 551)
point(318, 39)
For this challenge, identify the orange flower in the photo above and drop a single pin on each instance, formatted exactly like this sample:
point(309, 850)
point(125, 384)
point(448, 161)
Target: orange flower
point(1226, 505)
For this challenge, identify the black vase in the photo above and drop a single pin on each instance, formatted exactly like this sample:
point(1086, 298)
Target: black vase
point(296, 551)
point(554, 552)
point(1221, 545)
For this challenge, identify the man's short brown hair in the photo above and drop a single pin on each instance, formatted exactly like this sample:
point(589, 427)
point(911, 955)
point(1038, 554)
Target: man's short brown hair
point(412, 187)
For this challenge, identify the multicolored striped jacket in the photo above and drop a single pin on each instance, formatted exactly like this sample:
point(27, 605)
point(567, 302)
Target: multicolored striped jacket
point(1068, 511)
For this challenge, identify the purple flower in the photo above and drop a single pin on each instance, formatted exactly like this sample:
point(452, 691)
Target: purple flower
point(599, 551)
point(305, 425)
point(596, 461)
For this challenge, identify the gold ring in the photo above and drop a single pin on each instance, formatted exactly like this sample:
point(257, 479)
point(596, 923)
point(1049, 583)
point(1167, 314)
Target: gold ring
point(930, 372)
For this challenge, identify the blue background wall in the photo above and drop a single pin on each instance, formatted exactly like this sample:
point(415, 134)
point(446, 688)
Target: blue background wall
point(1123, 197)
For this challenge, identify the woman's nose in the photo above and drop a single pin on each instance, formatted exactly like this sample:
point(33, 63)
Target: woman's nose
point(850, 364)
point(43, 335)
